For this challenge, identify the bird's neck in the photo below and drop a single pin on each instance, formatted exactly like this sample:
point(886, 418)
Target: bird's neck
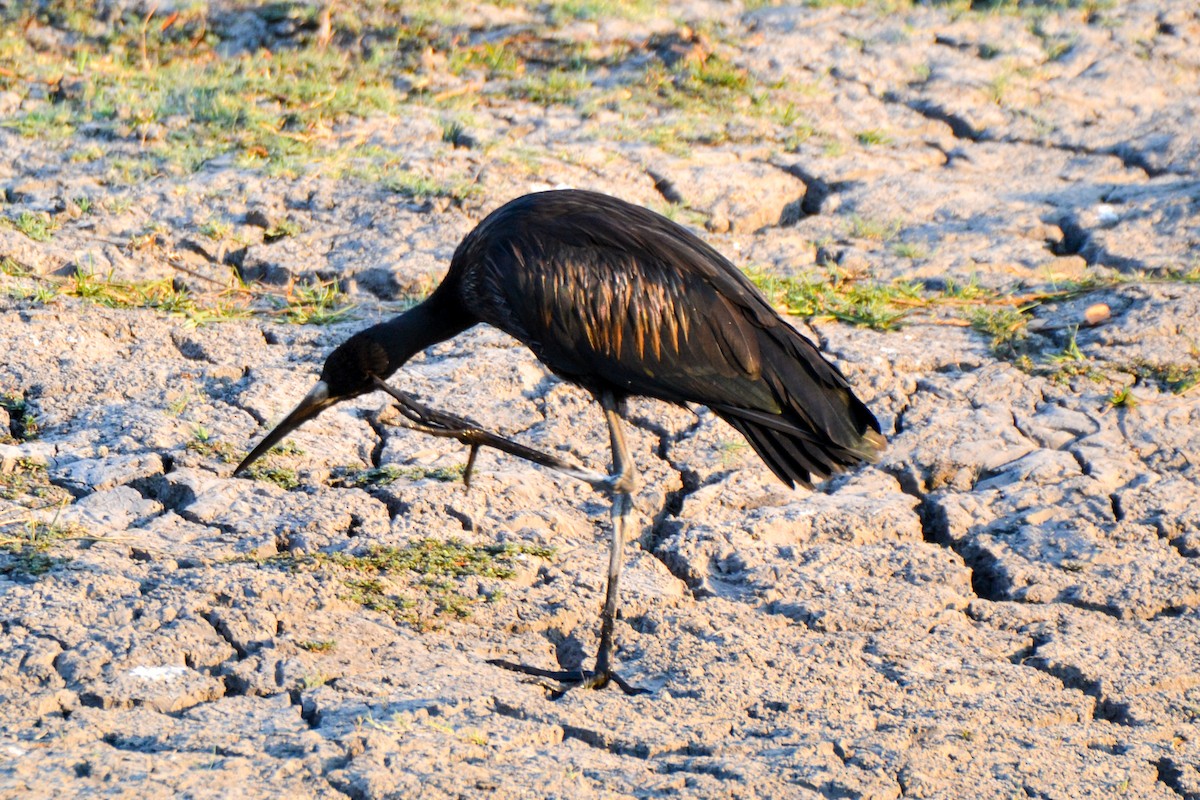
point(436, 319)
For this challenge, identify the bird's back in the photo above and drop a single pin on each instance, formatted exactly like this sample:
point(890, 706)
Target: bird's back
point(615, 297)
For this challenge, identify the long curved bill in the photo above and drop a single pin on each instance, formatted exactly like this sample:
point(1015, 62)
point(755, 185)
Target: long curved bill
point(313, 403)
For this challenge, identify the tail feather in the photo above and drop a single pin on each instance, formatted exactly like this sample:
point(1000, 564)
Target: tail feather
point(797, 456)
point(787, 468)
point(819, 427)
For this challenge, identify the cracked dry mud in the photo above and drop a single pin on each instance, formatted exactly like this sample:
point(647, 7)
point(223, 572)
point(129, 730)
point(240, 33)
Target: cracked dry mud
point(1005, 606)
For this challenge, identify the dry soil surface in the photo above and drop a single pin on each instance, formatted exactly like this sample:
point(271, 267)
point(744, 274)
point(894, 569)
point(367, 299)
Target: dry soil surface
point(1007, 605)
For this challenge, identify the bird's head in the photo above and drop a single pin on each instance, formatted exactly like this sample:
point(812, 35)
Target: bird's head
point(349, 371)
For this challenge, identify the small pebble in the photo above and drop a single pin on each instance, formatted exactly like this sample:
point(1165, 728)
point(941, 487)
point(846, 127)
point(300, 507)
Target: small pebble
point(1097, 313)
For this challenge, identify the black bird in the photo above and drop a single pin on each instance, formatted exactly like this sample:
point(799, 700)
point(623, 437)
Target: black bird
point(621, 301)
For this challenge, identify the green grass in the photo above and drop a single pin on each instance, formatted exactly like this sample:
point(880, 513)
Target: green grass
point(281, 230)
point(28, 484)
point(420, 187)
point(271, 110)
point(969, 291)
point(497, 59)
point(373, 594)
point(287, 110)
point(38, 227)
point(283, 477)
point(38, 294)
point(454, 133)
point(216, 229)
point(312, 304)
point(203, 444)
point(317, 304)
point(555, 87)
point(862, 303)
point(1032, 8)
point(634, 10)
point(1071, 354)
point(438, 558)
point(910, 250)
point(390, 473)
point(872, 137)
point(874, 229)
point(1123, 398)
point(28, 562)
point(381, 577)
point(25, 546)
point(23, 425)
point(1006, 326)
point(1176, 378)
point(159, 294)
point(1070, 362)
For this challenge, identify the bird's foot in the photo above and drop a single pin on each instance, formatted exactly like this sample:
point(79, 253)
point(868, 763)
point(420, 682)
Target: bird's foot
point(619, 483)
point(559, 682)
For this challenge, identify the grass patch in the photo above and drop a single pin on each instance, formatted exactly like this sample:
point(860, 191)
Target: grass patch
point(25, 547)
point(204, 445)
point(1176, 378)
point(862, 303)
point(1071, 354)
point(311, 304)
point(283, 477)
point(438, 558)
point(497, 59)
point(380, 578)
point(27, 562)
point(1071, 361)
point(873, 137)
point(1007, 327)
point(38, 227)
point(874, 229)
point(22, 424)
point(27, 483)
point(317, 304)
point(910, 250)
point(731, 451)
point(454, 133)
point(634, 10)
point(281, 230)
point(390, 473)
point(216, 229)
point(1123, 398)
point(555, 87)
point(373, 594)
point(160, 80)
point(159, 294)
point(421, 187)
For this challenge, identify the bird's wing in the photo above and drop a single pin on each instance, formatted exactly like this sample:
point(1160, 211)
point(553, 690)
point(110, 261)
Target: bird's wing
point(623, 295)
point(641, 327)
point(614, 296)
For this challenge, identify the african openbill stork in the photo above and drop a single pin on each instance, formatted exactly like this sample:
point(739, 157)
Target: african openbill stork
point(620, 301)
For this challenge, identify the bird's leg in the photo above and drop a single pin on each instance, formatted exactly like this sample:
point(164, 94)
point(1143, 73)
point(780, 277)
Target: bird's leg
point(619, 485)
point(439, 423)
point(623, 482)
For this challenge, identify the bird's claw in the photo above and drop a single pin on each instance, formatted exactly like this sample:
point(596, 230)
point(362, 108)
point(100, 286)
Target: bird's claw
point(470, 465)
point(559, 682)
point(615, 484)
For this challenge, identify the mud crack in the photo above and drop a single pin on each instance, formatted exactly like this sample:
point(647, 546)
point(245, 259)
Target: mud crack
point(689, 482)
point(1072, 677)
